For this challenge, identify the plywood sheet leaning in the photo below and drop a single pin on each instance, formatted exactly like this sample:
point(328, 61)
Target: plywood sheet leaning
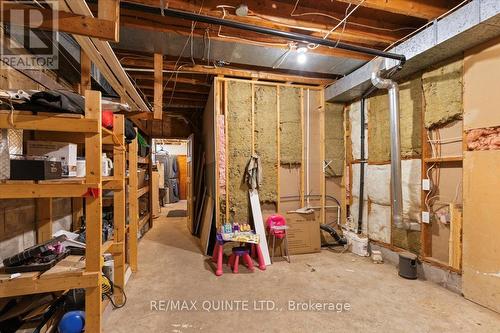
point(443, 87)
point(265, 124)
point(410, 95)
point(207, 220)
point(290, 126)
point(481, 228)
point(334, 139)
point(239, 147)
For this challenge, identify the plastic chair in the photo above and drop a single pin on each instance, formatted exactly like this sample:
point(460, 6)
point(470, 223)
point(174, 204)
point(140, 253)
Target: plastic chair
point(234, 259)
point(276, 226)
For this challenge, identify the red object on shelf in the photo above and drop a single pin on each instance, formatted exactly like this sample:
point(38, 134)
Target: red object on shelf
point(107, 119)
point(92, 192)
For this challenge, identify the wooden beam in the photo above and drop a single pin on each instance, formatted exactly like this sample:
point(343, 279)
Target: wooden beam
point(158, 85)
point(85, 78)
point(178, 79)
point(425, 9)
point(18, 14)
point(109, 10)
point(276, 15)
point(226, 71)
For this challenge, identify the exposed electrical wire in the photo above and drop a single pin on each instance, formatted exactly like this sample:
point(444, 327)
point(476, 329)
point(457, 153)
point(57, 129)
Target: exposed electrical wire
point(351, 23)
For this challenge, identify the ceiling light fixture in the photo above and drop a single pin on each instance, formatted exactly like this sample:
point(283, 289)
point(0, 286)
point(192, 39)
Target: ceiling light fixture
point(301, 57)
point(242, 10)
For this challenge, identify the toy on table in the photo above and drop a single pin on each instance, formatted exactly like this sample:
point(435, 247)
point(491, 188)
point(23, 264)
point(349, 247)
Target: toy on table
point(240, 233)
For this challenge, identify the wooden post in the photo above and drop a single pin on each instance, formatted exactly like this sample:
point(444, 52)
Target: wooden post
point(93, 204)
point(425, 233)
point(133, 204)
point(226, 121)
point(303, 161)
point(322, 154)
point(110, 10)
point(119, 204)
point(150, 182)
point(85, 68)
point(158, 86)
point(85, 84)
point(43, 219)
point(278, 151)
point(217, 111)
point(253, 118)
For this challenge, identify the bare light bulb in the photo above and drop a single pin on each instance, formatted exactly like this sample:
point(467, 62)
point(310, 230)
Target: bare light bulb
point(301, 58)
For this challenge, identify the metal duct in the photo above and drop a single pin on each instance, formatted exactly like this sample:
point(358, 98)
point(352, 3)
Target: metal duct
point(396, 188)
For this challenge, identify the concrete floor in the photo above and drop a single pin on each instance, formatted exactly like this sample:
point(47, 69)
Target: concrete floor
point(171, 267)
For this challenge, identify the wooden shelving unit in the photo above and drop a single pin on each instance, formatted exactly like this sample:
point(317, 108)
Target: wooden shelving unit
point(89, 188)
point(133, 207)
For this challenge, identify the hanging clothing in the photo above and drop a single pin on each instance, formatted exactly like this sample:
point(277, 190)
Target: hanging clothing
point(253, 174)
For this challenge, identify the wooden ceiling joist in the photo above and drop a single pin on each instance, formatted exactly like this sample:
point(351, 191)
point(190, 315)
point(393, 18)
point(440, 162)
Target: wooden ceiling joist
point(425, 9)
point(276, 15)
point(257, 75)
point(166, 76)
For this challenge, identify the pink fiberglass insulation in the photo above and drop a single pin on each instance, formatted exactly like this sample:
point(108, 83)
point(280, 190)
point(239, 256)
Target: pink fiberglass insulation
point(484, 138)
point(221, 131)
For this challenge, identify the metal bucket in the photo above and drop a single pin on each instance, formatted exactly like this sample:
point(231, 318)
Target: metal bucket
point(408, 265)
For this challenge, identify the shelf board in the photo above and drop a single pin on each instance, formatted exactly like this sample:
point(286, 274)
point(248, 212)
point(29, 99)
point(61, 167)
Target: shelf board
point(60, 188)
point(143, 220)
point(443, 159)
point(49, 122)
point(63, 276)
point(106, 246)
point(143, 160)
point(142, 191)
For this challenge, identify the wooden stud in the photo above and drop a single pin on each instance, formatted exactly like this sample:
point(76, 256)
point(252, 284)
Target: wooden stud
point(133, 204)
point(455, 241)
point(425, 233)
point(217, 111)
point(253, 118)
point(85, 69)
point(119, 204)
point(158, 85)
point(43, 219)
point(93, 162)
point(226, 121)
point(109, 10)
point(278, 151)
point(303, 161)
point(322, 155)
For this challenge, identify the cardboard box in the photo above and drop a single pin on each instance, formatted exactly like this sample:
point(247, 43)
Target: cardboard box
point(303, 233)
point(63, 152)
point(141, 178)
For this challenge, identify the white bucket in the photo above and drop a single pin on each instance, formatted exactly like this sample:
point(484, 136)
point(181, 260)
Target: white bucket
point(357, 244)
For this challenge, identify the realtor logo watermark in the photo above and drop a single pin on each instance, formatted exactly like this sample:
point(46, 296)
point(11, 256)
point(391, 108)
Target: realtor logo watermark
point(29, 34)
point(235, 305)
